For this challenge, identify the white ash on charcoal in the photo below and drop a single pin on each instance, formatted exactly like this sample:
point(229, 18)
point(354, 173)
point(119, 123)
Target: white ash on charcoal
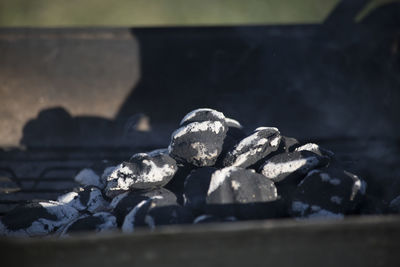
point(196, 188)
point(316, 149)
point(288, 169)
point(286, 145)
point(99, 222)
point(37, 218)
point(143, 171)
point(203, 114)
point(122, 204)
point(327, 193)
point(156, 211)
point(253, 148)
point(241, 193)
point(88, 177)
point(292, 166)
point(198, 143)
point(205, 218)
point(87, 198)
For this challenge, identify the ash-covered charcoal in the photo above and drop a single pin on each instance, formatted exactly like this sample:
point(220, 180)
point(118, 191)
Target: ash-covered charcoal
point(87, 198)
point(37, 218)
point(316, 149)
point(203, 114)
point(327, 193)
point(87, 177)
point(242, 193)
point(198, 143)
point(207, 174)
point(234, 135)
point(292, 166)
point(98, 222)
point(156, 211)
point(253, 148)
point(122, 204)
point(143, 171)
point(196, 188)
point(205, 218)
point(286, 145)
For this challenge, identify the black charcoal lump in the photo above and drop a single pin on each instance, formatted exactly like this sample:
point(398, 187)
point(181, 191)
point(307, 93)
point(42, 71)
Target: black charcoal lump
point(142, 171)
point(122, 204)
point(98, 222)
point(198, 143)
point(242, 193)
point(156, 211)
point(196, 188)
point(253, 148)
point(327, 192)
point(37, 218)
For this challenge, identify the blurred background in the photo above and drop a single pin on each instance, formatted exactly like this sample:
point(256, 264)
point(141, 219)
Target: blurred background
point(68, 13)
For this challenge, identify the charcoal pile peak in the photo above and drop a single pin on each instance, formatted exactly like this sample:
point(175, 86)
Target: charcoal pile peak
point(212, 171)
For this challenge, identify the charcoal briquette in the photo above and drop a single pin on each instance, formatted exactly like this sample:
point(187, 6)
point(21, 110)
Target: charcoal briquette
point(142, 171)
point(327, 193)
point(198, 143)
point(98, 222)
point(253, 148)
point(37, 218)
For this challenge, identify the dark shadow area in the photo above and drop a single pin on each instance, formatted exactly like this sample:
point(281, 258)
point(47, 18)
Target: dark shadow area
point(335, 83)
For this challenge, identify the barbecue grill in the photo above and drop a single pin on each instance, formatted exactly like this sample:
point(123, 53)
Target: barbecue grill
point(76, 98)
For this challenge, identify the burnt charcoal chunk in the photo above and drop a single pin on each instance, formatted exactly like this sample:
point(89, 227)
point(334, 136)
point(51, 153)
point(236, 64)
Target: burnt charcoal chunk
point(176, 185)
point(316, 149)
point(87, 177)
point(233, 136)
point(289, 144)
point(98, 222)
point(253, 148)
point(196, 187)
point(242, 193)
point(37, 218)
point(205, 218)
point(89, 198)
point(327, 192)
point(202, 114)
point(143, 171)
point(156, 211)
point(198, 143)
point(292, 167)
point(124, 203)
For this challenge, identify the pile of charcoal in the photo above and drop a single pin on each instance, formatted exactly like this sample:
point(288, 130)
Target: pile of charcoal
point(212, 171)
